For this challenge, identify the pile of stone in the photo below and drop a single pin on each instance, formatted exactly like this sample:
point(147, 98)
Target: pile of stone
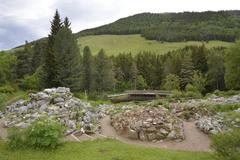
point(57, 104)
point(221, 100)
point(212, 125)
point(190, 111)
point(148, 124)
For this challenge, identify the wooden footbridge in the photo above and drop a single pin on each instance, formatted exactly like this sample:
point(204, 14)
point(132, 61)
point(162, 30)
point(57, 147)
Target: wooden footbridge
point(138, 95)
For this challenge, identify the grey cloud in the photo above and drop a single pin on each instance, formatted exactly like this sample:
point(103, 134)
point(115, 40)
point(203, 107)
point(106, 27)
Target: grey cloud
point(13, 34)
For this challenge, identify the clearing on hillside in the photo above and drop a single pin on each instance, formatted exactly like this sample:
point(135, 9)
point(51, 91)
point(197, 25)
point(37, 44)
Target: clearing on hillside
point(115, 44)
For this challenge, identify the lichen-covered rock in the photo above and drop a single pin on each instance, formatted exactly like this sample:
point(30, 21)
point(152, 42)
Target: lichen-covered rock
point(148, 124)
point(57, 104)
point(191, 110)
point(211, 125)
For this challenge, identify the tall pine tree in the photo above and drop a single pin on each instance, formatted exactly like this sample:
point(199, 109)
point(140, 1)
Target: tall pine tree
point(134, 75)
point(104, 77)
point(67, 57)
point(87, 78)
point(50, 65)
point(186, 70)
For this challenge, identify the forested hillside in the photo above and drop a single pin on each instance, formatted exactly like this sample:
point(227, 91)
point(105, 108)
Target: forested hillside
point(60, 61)
point(173, 27)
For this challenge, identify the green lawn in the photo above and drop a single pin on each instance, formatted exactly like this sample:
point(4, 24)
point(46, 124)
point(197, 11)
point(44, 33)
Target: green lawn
point(101, 150)
point(114, 44)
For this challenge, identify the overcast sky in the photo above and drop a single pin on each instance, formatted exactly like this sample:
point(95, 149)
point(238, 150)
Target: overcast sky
point(22, 20)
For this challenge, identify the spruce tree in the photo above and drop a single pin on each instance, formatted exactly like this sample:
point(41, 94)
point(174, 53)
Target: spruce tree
point(186, 71)
point(104, 76)
point(24, 58)
point(134, 75)
point(87, 80)
point(66, 22)
point(232, 64)
point(67, 58)
point(50, 65)
point(38, 52)
point(199, 58)
point(216, 71)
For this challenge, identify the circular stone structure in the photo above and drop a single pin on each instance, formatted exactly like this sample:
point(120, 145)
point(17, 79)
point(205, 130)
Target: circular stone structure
point(148, 124)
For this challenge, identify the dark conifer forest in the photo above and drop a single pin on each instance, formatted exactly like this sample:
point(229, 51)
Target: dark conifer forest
point(174, 27)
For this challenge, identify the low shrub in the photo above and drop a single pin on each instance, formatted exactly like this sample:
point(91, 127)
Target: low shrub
point(42, 134)
point(7, 89)
point(225, 93)
point(227, 146)
point(186, 95)
point(191, 94)
point(31, 83)
point(224, 108)
point(16, 138)
point(177, 94)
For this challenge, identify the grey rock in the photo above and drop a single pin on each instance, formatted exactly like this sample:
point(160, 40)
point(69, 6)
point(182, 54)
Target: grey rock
point(151, 136)
point(43, 108)
point(71, 124)
point(132, 134)
point(211, 125)
point(237, 110)
point(142, 136)
point(58, 100)
point(23, 109)
point(62, 90)
point(163, 131)
point(172, 135)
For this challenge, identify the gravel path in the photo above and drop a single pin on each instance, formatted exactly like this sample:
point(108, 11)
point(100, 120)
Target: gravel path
point(195, 140)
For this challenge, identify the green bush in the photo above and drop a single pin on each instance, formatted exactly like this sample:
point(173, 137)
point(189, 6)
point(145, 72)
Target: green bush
point(188, 94)
point(227, 146)
point(7, 89)
point(224, 108)
point(30, 83)
point(44, 134)
point(177, 94)
point(225, 93)
point(191, 94)
point(16, 138)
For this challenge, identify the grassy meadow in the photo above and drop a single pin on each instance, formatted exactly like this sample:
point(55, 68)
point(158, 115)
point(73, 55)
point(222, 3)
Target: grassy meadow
point(101, 150)
point(115, 44)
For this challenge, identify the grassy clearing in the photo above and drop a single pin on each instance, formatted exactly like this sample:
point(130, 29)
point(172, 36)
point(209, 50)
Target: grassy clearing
point(115, 44)
point(7, 98)
point(101, 150)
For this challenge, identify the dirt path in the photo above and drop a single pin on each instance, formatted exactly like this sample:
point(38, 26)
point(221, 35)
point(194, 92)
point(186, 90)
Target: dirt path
point(194, 139)
point(3, 131)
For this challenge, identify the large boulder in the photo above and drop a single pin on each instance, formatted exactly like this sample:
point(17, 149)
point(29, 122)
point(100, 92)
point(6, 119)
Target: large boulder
point(148, 124)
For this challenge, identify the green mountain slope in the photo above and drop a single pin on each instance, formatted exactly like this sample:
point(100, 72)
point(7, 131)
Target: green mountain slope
point(115, 44)
point(174, 27)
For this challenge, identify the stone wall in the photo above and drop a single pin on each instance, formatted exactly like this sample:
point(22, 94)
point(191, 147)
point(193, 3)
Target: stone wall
point(148, 124)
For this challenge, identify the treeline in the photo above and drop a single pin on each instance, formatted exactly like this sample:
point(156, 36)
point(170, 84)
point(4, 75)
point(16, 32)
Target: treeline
point(57, 61)
point(172, 27)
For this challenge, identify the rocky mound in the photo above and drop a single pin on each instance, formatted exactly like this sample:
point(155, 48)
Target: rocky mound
point(57, 104)
point(212, 125)
point(190, 111)
point(148, 124)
